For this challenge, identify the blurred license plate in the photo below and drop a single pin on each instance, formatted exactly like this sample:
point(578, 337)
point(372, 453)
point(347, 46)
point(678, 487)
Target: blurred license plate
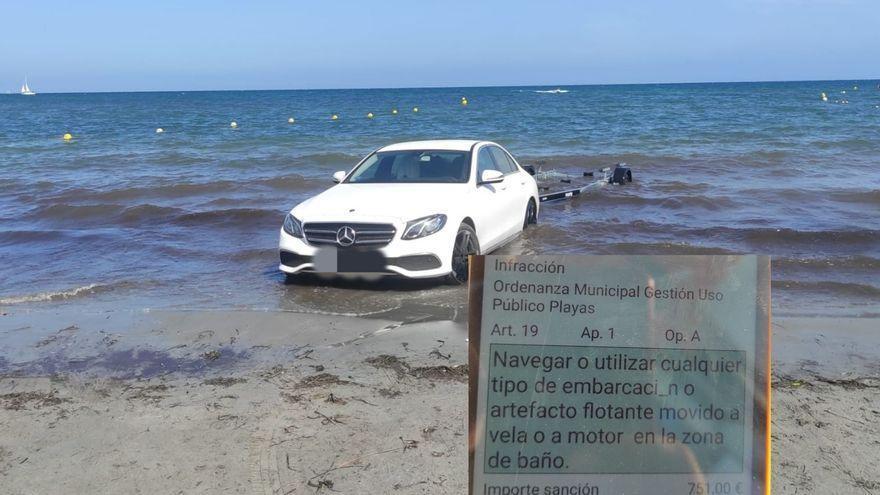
point(332, 260)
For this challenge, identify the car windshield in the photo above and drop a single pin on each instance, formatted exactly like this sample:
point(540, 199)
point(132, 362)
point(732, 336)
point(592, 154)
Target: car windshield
point(419, 166)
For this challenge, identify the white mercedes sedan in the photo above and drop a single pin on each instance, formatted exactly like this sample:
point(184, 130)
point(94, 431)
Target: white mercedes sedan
point(415, 209)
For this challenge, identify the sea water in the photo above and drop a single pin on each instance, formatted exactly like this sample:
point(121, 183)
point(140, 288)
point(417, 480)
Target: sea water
point(190, 217)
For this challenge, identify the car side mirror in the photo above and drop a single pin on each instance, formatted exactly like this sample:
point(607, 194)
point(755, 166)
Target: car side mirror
point(339, 176)
point(491, 177)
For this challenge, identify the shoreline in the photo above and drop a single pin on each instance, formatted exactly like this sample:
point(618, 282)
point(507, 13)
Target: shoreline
point(114, 343)
point(267, 401)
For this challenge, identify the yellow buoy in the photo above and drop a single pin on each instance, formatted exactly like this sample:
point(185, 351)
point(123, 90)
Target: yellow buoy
point(67, 136)
point(824, 97)
point(233, 124)
point(393, 111)
point(464, 101)
point(369, 115)
point(291, 120)
point(159, 130)
point(334, 117)
point(415, 109)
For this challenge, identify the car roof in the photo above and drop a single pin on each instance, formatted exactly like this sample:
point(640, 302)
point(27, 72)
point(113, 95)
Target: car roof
point(438, 144)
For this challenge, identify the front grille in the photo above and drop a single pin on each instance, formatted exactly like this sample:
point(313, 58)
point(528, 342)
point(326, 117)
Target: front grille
point(366, 234)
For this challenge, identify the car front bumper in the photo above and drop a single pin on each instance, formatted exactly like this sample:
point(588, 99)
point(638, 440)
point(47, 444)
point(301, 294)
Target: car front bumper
point(428, 257)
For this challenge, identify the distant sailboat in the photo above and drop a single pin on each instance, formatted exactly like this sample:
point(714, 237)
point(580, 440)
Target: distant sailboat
point(26, 90)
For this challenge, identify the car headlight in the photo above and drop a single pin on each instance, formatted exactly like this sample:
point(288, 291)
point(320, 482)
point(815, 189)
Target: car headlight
point(293, 226)
point(425, 226)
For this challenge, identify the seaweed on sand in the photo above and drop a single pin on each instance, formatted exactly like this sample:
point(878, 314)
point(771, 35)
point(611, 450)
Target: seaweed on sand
point(321, 380)
point(17, 401)
point(402, 368)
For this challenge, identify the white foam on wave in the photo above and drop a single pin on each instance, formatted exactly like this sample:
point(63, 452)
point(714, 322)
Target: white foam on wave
point(551, 91)
point(53, 295)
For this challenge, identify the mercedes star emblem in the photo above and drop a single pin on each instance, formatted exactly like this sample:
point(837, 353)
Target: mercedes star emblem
point(345, 236)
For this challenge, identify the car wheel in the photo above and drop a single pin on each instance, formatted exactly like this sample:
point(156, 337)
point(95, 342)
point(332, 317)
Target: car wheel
point(531, 216)
point(466, 244)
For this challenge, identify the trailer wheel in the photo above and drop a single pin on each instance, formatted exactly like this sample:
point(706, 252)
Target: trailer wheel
point(531, 216)
point(620, 175)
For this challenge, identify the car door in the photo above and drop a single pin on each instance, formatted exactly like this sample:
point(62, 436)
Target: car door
point(515, 186)
point(493, 208)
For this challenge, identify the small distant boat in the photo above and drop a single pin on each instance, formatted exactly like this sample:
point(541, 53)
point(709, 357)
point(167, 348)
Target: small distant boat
point(26, 90)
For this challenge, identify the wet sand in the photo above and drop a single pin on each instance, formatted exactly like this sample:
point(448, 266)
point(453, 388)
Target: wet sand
point(282, 402)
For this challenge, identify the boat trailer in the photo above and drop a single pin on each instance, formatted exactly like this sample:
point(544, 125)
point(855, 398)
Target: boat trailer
point(556, 186)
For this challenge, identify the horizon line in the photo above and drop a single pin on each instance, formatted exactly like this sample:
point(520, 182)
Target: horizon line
point(656, 83)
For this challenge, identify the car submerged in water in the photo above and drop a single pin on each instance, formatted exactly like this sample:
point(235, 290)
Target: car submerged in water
point(415, 209)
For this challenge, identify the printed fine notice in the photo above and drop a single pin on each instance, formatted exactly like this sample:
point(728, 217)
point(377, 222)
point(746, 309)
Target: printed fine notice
point(619, 374)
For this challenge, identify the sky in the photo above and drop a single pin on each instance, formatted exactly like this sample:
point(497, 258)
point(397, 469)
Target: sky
point(194, 44)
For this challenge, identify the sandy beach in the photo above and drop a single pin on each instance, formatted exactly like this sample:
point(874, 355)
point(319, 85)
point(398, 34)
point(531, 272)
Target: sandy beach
point(282, 402)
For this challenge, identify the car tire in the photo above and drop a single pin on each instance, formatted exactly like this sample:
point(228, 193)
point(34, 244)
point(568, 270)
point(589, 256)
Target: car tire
point(531, 216)
point(466, 243)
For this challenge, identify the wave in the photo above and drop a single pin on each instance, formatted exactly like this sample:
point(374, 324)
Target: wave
point(793, 237)
point(256, 254)
point(104, 214)
point(660, 248)
point(68, 212)
point(773, 164)
point(833, 264)
point(86, 290)
point(115, 215)
point(292, 182)
point(13, 237)
point(836, 289)
point(289, 182)
point(231, 217)
point(779, 241)
point(806, 237)
point(180, 159)
point(871, 197)
point(32, 241)
point(551, 91)
point(592, 162)
point(10, 185)
point(675, 186)
point(673, 202)
point(173, 191)
point(348, 160)
point(137, 215)
point(804, 196)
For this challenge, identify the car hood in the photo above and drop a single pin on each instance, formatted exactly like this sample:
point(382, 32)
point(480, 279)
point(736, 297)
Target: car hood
point(379, 202)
